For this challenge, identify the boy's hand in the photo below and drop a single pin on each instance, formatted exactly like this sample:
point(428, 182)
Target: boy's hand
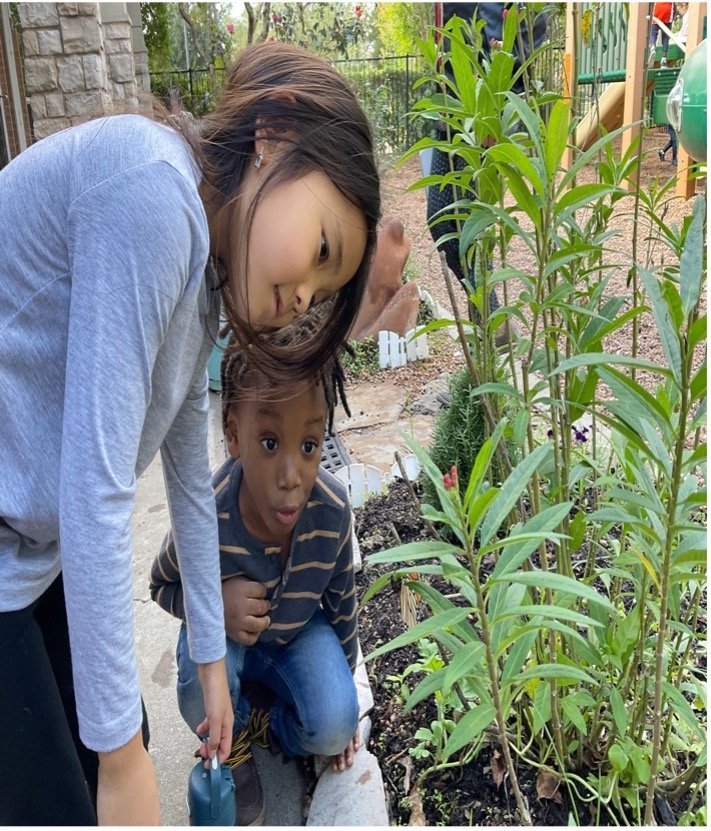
point(246, 609)
point(345, 759)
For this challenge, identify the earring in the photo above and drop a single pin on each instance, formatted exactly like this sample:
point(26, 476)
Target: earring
point(260, 158)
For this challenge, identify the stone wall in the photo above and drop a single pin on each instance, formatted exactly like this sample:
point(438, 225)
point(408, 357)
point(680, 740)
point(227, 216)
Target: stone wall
point(80, 62)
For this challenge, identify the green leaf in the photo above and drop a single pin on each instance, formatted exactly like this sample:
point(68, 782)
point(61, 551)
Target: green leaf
point(692, 257)
point(558, 582)
point(511, 490)
point(464, 662)
point(563, 674)
point(572, 711)
point(618, 757)
point(518, 655)
point(513, 155)
point(426, 688)
point(430, 626)
point(640, 401)
point(683, 708)
point(557, 136)
point(513, 555)
point(412, 551)
point(619, 712)
point(595, 358)
point(668, 334)
point(544, 610)
point(469, 727)
point(582, 195)
point(523, 198)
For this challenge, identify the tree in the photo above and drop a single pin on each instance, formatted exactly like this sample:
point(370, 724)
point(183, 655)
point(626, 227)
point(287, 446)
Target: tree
point(400, 25)
point(333, 30)
point(155, 19)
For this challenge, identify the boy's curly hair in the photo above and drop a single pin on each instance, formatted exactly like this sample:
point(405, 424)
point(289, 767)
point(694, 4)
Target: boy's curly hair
point(242, 378)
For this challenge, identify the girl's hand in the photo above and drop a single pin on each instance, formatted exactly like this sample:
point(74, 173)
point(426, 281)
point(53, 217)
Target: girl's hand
point(343, 760)
point(246, 609)
point(218, 708)
point(127, 792)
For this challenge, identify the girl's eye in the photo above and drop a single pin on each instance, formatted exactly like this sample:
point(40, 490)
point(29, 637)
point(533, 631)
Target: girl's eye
point(269, 444)
point(323, 250)
point(309, 447)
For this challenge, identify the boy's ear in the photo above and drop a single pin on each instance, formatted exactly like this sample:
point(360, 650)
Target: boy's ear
point(232, 435)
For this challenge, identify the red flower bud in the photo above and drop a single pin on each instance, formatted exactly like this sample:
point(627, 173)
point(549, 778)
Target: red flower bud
point(505, 13)
point(358, 10)
point(276, 18)
point(230, 28)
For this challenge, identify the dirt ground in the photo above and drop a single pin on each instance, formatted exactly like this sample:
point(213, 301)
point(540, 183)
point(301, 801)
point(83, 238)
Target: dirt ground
point(469, 794)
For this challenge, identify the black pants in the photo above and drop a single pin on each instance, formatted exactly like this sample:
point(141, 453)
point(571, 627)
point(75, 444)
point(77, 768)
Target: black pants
point(437, 200)
point(47, 776)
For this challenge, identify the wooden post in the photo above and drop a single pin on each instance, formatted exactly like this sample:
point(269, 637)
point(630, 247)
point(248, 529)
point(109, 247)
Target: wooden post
point(637, 35)
point(685, 183)
point(570, 63)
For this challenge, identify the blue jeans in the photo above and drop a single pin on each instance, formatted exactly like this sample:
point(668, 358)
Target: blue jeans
point(316, 706)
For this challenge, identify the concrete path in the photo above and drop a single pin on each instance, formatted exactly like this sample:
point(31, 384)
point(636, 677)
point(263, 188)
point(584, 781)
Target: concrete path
point(354, 797)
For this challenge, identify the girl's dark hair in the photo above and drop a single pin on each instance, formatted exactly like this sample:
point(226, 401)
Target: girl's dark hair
point(242, 377)
point(312, 109)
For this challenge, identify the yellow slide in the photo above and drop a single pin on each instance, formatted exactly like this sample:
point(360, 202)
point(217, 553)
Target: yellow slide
point(609, 110)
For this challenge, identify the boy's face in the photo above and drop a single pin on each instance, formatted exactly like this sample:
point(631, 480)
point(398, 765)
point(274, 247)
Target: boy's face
point(279, 443)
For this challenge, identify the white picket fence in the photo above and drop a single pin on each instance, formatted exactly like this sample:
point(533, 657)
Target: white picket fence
point(394, 350)
point(362, 481)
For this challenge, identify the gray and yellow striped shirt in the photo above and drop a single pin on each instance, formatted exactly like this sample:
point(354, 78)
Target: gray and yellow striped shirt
point(319, 569)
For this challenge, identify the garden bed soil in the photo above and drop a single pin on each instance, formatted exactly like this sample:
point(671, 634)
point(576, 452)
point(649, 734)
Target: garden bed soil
point(476, 793)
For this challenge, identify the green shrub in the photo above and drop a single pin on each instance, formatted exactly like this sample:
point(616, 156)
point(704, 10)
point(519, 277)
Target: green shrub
point(360, 359)
point(458, 432)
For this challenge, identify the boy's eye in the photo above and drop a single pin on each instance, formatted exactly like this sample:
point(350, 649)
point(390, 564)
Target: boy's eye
point(309, 446)
point(323, 250)
point(269, 444)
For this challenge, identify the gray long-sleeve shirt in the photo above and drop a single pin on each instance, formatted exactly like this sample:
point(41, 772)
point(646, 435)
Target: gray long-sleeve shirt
point(107, 318)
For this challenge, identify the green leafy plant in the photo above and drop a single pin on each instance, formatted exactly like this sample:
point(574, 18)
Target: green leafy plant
point(577, 540)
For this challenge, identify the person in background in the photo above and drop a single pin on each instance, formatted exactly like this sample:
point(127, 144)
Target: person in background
point(286, 565)
point(119, 236)
point(662, 13)
point(438, 199)
point(670, 145)
point(683, 12)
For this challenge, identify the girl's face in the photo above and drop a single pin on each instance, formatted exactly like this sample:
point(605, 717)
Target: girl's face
point(305, 243)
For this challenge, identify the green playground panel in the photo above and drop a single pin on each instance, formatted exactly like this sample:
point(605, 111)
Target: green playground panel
point(664, 80)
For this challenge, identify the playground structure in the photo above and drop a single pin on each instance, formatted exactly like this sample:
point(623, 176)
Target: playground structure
point(606, 49)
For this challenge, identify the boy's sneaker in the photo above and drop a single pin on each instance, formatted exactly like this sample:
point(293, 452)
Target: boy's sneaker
point(663, 63)
point(248, 789)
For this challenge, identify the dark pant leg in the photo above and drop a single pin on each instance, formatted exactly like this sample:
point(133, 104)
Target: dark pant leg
point(56, 779)
point(437, 200)
point(41, 777)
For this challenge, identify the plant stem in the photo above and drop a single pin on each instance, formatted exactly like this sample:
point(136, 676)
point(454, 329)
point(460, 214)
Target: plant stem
point(492, 666)
point(664, 588)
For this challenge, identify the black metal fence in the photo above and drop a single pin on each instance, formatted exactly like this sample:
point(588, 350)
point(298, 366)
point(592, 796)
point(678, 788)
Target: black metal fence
point(383, 86)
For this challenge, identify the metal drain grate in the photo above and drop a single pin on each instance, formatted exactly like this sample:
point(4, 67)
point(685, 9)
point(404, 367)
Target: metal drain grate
point(334, 454)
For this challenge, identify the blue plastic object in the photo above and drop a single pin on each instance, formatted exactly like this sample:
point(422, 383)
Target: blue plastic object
point(211, 795)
